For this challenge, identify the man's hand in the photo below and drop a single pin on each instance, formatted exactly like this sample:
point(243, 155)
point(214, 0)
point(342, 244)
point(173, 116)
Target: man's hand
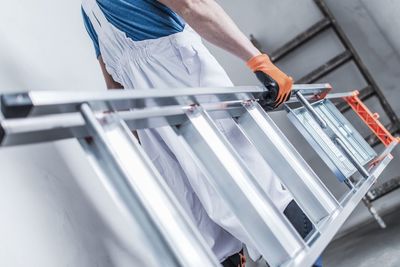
point(278, 83)
point(214, 25)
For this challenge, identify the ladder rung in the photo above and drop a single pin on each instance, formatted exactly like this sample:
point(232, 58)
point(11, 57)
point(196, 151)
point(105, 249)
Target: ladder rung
point(336, 142)
point(296, 175)
point(270, 232)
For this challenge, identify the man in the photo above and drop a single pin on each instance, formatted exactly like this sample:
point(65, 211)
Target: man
point(147, 44)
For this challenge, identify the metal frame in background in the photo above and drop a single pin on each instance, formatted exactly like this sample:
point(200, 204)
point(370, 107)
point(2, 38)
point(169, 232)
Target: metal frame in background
point(350, 54)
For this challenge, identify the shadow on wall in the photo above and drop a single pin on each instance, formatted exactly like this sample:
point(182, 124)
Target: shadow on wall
point(49, 216)
point(15, 76)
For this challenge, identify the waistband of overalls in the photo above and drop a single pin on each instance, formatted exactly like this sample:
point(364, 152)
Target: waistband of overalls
point(153, 46)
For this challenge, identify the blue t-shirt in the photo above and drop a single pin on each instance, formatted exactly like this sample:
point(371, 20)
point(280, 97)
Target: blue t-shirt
point(139, 19)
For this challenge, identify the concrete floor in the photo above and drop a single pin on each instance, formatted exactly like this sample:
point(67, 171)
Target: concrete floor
point(367, 247)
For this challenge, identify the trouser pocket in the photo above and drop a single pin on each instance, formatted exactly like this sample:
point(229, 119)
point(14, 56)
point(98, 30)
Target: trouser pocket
point(189, 57)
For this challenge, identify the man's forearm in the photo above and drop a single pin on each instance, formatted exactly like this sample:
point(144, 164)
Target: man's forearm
point(213, 24)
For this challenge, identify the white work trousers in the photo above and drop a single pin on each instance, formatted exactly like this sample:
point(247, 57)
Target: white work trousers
point(176, 61)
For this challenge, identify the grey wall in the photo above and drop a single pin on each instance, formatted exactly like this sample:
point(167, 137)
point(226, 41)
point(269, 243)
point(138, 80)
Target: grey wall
point(43, 46)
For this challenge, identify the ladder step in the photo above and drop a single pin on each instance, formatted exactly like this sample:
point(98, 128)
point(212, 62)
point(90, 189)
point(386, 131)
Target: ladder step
point(341, 147)
point(142, 194)
point(296, 175)
point(268, 229)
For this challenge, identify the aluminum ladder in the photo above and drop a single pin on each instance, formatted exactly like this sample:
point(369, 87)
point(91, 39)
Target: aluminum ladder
point(102, 122)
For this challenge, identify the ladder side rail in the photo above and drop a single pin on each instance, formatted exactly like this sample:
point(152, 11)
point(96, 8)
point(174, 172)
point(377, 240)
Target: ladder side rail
point(59, 125)
point(140, 190)
point(37, 103)
point(56, 127)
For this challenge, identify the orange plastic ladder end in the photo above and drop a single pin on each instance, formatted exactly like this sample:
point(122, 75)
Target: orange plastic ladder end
point(323, 94)
point(370, 119)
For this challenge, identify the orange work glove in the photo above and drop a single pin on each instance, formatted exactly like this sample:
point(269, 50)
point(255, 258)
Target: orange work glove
point(279, 85)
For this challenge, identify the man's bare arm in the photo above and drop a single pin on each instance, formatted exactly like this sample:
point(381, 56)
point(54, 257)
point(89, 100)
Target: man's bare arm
point(110, 83)
point(213, 24)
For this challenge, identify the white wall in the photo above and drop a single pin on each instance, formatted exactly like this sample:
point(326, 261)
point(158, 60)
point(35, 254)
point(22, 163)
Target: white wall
point(43, 46)
point(54, 210)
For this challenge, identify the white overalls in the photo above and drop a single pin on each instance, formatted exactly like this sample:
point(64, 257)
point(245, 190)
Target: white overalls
point(176, 61)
